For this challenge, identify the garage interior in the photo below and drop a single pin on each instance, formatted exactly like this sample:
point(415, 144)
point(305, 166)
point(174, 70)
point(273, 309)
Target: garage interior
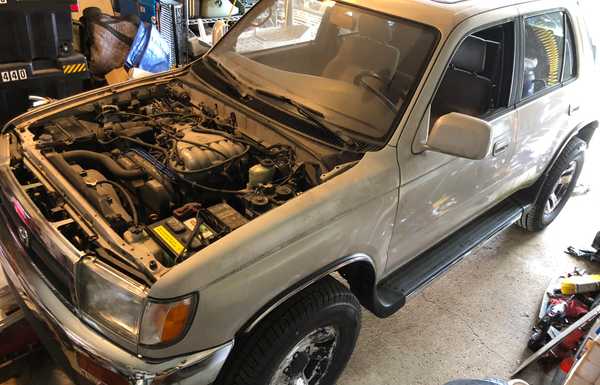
point(473, 322)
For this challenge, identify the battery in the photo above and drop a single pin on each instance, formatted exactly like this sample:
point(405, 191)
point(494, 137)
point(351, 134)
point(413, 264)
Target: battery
point(174, 235)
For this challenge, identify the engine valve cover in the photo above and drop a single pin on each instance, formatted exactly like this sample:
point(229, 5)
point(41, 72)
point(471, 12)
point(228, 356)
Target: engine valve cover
point(199, 150)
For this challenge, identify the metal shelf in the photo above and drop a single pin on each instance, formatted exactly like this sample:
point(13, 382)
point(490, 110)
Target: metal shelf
point(211, 20)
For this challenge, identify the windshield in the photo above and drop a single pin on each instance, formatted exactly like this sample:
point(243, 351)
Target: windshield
point(356, 68)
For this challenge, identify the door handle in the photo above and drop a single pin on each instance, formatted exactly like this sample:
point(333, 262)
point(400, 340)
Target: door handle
point(500, 146)
point(573, 109)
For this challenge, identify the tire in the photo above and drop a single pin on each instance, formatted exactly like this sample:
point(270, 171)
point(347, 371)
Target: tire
point(556, 191)
point(324, 320)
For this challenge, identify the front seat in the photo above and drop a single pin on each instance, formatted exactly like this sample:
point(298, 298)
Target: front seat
point(466, 87)
point(368, 50)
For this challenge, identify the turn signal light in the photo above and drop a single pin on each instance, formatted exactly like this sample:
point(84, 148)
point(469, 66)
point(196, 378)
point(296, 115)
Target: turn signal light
point(175, 321)
point(165, 322)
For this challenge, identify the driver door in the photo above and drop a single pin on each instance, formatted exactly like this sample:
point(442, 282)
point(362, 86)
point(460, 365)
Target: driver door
point(441, 193)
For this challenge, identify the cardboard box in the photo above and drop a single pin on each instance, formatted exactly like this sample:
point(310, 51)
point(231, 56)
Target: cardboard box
point(136, 73)
point(118, 75)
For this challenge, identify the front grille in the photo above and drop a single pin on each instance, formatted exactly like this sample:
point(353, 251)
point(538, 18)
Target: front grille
point(58, 277)
point(55, 275)
point(57, 270)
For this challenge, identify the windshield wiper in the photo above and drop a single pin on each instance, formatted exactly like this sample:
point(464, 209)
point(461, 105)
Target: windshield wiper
point(231, 77)
point(316, 117)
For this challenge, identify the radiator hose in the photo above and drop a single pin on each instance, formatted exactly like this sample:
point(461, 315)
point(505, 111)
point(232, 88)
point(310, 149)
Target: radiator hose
point(106, 161)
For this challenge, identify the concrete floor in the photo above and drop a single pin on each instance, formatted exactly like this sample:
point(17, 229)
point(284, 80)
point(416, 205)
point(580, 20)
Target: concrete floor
point(473, 322)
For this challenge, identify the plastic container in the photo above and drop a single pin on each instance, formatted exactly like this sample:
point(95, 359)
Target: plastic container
point(36, 54)
point(261, 174)
point(35, 30)
point(562, 371)
point(580, 284)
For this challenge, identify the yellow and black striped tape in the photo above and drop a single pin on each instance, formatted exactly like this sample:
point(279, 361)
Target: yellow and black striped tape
point(74, 68)
point(553, 53)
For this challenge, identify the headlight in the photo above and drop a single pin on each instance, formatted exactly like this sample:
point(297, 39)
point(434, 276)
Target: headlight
point(111, 300)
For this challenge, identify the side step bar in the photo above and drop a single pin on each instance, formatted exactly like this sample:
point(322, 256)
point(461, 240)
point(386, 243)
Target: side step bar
point(391, 293)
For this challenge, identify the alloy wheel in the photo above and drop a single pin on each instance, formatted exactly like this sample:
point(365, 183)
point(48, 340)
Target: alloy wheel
point(308, 362)
point(559, 192)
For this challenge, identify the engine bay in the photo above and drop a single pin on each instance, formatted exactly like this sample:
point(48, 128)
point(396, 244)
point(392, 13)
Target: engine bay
point(168, 173)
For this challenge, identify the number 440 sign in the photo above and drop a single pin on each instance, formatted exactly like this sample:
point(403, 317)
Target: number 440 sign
point(13, 75)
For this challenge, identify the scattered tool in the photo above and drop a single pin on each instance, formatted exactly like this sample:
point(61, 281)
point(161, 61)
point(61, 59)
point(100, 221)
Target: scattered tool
point(560, 312)
point(590, 255)
point(583, 321)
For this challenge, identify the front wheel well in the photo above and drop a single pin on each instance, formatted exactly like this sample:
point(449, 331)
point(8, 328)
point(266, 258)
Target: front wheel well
point(586, 132)
point(361, 277)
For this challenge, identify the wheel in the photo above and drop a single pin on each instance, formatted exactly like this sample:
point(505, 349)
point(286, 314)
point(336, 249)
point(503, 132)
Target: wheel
point(557, 188)
point(307, 341)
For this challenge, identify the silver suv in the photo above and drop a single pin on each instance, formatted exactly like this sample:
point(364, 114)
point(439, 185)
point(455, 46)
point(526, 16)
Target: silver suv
point(152, 224)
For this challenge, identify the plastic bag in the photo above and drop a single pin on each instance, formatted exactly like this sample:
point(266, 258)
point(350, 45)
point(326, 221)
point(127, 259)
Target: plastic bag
point(149, 51)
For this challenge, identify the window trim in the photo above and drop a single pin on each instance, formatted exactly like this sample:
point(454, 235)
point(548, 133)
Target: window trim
point(512, 98)
point(574, 49)
point(520, 100)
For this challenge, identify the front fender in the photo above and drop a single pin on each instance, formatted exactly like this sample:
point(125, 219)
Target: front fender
point(250, 268)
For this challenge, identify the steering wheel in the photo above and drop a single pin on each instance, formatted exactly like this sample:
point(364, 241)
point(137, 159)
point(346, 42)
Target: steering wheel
point(359, 80)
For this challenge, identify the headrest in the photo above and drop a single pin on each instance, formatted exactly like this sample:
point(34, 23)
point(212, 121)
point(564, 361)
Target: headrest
point(471, 55)
point(342, 17)
point(374, 27)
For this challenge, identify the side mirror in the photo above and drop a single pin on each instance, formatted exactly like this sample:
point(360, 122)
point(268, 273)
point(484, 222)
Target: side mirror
point(461, 135)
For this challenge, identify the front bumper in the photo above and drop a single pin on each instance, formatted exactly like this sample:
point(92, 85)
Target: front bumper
point(87, 356)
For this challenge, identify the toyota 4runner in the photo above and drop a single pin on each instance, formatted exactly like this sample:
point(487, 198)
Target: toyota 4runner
point(187, 227)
